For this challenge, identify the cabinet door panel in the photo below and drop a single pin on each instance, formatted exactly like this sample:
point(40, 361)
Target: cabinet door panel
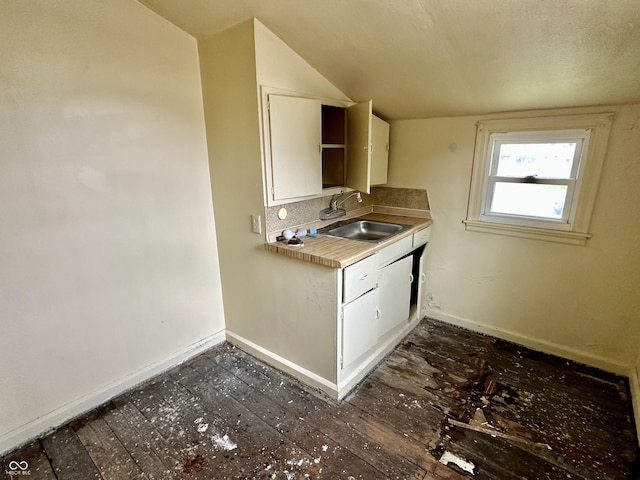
point(380, 152)
point(295, 126)
point(394, 291)
point(359, 146)
point(359, 327)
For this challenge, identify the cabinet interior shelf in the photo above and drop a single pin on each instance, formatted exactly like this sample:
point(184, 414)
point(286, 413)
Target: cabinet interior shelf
point(332, 145)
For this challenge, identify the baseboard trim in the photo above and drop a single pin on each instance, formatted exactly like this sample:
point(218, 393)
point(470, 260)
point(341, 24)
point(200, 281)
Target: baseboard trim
point(283, 364)
point(42, 425)
point(543, 346)
point(634, 385)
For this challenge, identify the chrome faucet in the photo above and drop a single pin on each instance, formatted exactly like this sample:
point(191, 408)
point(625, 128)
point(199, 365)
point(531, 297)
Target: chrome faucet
point(334, 204)
point(333, 211)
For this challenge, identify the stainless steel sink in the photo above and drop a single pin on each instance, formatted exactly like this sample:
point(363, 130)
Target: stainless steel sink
point(365, 230)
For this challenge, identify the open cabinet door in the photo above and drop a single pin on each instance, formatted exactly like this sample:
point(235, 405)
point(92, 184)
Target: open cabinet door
point(359, 146)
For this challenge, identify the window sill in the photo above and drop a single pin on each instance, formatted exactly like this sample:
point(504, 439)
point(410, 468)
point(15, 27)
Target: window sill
point(557, 236)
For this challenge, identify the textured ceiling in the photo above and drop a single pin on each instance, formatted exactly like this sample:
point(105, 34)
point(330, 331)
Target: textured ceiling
point(434, 58)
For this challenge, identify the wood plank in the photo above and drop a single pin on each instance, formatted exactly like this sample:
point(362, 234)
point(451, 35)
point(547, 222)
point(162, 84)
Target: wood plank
point(255, 438)
point(414, 417)
point(38, 464)
point(369, 426)
point(69, 459)
point(107, 452)
point(499, 459)
point(174, 420)
point(420, 380)
point(143, 443)
point(319, 413)
point(258, 448)
point(578, 429)
point(318, 445)
point(391, 426)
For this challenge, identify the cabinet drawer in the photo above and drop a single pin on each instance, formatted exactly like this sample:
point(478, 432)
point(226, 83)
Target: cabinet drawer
point(394, 251)
point(422, 236)
point(359, 278)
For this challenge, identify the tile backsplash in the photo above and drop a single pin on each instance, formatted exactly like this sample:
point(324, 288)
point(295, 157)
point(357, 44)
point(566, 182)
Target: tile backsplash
point(307, 211)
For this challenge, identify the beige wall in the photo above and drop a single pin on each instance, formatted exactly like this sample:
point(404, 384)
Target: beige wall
point(229, 89)
point(579, 302)
point(108, 261)
point(634, 382)
point(258, 301)
point(279, 66)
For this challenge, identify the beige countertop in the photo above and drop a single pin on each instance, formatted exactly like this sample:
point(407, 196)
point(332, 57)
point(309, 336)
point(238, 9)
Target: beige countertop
point(338, 252)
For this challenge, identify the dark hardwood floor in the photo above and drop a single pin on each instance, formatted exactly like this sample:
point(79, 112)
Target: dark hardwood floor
point(487, 408)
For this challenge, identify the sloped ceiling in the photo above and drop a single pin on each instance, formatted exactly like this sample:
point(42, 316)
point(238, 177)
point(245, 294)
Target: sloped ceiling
point(434, 58)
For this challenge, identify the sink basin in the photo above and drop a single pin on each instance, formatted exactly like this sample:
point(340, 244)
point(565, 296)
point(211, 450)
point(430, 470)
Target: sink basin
point(366, 230)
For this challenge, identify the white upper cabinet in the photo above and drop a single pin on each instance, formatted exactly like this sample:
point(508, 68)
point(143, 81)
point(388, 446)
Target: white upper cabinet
point(296, 156)
point(316, 146)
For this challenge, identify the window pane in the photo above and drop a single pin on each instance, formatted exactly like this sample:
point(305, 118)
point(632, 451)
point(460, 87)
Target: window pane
point(529, 199)
point(546, 160)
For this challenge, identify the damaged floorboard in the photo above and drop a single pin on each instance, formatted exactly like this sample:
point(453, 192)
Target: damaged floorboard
point(486, 408)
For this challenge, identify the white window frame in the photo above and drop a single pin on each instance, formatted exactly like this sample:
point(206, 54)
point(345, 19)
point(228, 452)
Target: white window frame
point(589, 131)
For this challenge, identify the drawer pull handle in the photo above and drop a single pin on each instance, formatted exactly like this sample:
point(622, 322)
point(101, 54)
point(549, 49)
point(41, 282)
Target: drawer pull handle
point(364, 275)
point(411, 278)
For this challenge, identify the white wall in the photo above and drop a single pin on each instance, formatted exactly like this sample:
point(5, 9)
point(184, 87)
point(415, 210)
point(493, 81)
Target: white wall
point(109, 270)
point(578, 302)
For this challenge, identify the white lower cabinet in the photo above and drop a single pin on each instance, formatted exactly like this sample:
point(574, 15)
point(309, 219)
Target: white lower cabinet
point(359, 327)
point(394, 294)
point(377, 298)
point(337, 324)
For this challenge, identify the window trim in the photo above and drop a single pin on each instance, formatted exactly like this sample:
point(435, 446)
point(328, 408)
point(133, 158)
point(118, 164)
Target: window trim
point(578, 136)
point(572, 230)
